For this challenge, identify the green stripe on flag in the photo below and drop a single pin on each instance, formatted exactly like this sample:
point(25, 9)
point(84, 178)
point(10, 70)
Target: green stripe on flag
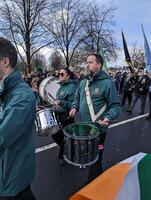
point(144, 174)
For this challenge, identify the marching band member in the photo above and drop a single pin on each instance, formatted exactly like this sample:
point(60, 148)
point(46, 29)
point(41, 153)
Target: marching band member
point(128, 88)
point(17, 120)
point(149, 116)
point(140, 90)
point(65, 97)
point(97, 101)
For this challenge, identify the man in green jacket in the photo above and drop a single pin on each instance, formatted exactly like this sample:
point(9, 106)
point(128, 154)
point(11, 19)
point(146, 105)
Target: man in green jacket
point(17, 115)
point(105, 105)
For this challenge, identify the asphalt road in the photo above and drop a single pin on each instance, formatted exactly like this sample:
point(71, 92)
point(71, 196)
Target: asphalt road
point(55, 182)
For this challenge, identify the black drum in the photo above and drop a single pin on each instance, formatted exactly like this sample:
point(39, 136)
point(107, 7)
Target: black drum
point(81, 142)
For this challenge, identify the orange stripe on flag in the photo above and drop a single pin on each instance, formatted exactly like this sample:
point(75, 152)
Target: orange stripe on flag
point(79, 197)
point(105, 186)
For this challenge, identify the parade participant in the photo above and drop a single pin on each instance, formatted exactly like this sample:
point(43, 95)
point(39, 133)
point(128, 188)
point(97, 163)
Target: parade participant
point(35, 89)
point(127, 88)
point(117, 81)
point(140, 90)
point(17, 115)
point(65, 97)
point(149, 116)
point(105, 105)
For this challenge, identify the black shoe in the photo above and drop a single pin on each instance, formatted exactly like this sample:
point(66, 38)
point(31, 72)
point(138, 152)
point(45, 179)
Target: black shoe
point(129, 111)
point(148, 118)
point(141, 113)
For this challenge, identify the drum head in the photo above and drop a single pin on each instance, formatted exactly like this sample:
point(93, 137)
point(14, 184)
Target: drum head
point(81, 130)
point(48, 88)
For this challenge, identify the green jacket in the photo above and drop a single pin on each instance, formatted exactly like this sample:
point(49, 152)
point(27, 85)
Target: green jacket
point(17, 152)
point(102, 91)
point(66, 96)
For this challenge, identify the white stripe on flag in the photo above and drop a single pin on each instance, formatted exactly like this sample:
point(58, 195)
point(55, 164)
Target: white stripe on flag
point(134, 158)
point(130, 188)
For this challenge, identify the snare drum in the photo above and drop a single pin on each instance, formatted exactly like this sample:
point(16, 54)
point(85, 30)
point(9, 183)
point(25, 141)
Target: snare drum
point(46, 122)
point(81, 142)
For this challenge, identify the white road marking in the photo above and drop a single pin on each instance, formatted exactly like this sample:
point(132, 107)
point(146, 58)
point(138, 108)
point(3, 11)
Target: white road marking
point(128, 120)
point(44, 148)
point(50, 146)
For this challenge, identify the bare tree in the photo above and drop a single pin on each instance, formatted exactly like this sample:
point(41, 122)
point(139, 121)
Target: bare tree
point(66, 26)
point(38, 62)
point(78, 59)
point(20, 22)
point(56, 61)
point(99, 29)
point(21, 66)
point(137, 56)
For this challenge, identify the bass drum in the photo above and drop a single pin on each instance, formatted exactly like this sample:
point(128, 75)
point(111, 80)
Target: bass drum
point(48, 89)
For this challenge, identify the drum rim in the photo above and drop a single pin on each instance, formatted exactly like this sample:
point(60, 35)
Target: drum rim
point(81, 165)
point(82, 137)
point(48, 109)
point(47, 128)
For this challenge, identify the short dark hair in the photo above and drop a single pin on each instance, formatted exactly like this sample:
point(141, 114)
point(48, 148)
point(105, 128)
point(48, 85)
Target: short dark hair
point(99, 58)
point(8, 50)
point(141, 68)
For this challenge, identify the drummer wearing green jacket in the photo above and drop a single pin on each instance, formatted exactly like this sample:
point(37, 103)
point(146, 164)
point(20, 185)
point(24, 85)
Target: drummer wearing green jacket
point(65, 97)
point(17, 115)
point(97, 102)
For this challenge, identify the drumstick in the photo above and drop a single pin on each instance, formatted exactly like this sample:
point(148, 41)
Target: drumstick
point(51, 96)
point(41, 107)
point(68, 117)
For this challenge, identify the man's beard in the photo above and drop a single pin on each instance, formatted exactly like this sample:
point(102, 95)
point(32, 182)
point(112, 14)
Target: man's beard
point(90, 72)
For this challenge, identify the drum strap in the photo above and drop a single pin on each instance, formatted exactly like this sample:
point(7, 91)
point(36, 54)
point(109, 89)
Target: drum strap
point(90, 104)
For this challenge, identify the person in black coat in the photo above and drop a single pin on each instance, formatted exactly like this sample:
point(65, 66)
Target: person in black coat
point(140, 90)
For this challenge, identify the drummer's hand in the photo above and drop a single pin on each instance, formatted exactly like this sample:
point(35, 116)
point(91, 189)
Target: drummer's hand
point(37, 109)
point(104, 122)
point(57, 102)
point(72, 112)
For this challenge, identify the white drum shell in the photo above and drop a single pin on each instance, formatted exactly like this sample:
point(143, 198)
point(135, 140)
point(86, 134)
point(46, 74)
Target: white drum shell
point(46, 122)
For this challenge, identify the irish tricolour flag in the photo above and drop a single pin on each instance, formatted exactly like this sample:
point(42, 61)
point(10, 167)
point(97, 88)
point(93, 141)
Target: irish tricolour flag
point(128, 180)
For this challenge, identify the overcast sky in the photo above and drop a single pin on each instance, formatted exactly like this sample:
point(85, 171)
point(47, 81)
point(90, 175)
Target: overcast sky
point(129, 16)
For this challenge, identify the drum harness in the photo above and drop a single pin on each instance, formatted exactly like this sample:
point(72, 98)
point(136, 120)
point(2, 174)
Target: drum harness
point(90, 104)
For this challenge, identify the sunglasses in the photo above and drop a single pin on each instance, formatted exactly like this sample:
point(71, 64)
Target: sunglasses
point(140, 71)
point(61, 74)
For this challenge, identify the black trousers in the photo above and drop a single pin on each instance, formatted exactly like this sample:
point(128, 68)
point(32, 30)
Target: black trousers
point(150, 104)
point(127, 95)
point(96, 169)
point(59, 139)
point(59, 136)
point(26, 194)
point(142, 99)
